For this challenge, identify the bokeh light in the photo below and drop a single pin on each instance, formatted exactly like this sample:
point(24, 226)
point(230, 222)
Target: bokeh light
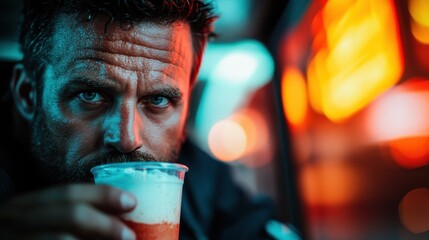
point(259, 147)
point(230, 73)
point(250, 127)
point(227, 140)
point(360, 59)
point(246, 63)
point(419, 26)
point(401, 113)
point(420, 33)
point(243, 136)
point(294, 96)
point(419, 11)
point(410, 152)
point(329, 183)
point(414, 210)
point(236, 67)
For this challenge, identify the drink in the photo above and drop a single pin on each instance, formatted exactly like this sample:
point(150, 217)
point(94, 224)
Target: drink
point(165, 230)
point(158, 189)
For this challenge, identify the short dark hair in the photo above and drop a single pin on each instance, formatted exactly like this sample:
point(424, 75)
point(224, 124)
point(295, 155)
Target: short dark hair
point(39, 16)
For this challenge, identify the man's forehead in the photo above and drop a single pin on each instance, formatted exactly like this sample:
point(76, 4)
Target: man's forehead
point(73, 40)
point(148, 51)
point(70, 29)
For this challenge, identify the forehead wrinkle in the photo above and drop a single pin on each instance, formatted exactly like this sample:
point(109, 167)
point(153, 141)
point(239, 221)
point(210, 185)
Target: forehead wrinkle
point(161, 53)
point(129, 48)
point(165, 74)
point(136, 64)
point(149, 54)
point(101, 71)
point(165, 51)
point(149, 34)
point(121, 74)
point(155, 43)
point(147, 39)
point(144, 38)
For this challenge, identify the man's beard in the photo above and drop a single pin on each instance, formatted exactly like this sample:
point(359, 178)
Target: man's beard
point(50, 154)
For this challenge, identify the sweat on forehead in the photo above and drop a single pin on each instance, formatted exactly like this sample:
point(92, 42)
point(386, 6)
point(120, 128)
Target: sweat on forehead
point(88, 40)
point(98, 31)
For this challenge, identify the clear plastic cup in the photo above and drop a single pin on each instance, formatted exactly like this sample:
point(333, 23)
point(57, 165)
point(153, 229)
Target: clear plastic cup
point(158, 189)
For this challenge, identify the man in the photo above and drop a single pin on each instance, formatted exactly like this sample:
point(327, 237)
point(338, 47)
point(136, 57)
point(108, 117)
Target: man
point(110, 81)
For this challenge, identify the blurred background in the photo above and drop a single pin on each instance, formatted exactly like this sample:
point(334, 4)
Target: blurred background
point(322, 105)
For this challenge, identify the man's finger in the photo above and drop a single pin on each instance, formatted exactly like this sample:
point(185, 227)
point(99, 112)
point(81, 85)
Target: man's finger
point(82, 220)
point(49, 236)
point(105, 197)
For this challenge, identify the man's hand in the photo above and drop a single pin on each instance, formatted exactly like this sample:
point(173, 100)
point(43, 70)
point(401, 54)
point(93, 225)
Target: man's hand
point(83, 211)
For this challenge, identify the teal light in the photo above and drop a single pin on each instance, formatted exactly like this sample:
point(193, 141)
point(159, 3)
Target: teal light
point(237, 67)
point(232, 71)
point(10, 51)
point(247, 62)
point(235, 16)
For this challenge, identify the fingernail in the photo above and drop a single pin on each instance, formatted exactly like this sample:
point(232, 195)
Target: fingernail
point(128, 235)
point(127, 201)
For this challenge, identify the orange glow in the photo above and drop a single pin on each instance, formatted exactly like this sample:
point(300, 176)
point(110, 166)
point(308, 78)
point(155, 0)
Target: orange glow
point(258, 149)
point(227, 140)
point(319, 36)
point(414, 210)
point(359, 60)
point(334, 10)
point(401, 113)
point(329, 183)
point(243, 136)
point(420, 32)
point(410, 152)
point(314, 70)
point(294, 96)
point(247, 123)
point(419, 11)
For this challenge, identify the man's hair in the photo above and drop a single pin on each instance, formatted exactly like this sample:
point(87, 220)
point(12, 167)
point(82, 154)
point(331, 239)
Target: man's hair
point(38, 19)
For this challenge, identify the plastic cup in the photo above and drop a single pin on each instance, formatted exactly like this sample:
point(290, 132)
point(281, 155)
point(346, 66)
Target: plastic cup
point(158, 189)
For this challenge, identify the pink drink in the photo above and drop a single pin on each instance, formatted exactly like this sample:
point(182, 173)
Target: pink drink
point(158, 189)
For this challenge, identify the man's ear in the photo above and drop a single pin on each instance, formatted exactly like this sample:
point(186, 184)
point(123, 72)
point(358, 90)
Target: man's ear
point(23, 90)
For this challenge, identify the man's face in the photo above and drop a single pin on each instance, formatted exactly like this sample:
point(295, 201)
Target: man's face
point(111, 98)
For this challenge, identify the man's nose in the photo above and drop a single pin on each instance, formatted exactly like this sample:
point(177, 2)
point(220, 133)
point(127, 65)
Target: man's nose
point(124, 129)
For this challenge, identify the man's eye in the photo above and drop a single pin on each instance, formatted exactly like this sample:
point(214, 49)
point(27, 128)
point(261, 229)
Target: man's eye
point(90, 97)
point(158, 101)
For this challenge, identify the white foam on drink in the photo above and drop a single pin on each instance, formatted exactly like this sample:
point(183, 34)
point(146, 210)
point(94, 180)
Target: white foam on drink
point(158, 194)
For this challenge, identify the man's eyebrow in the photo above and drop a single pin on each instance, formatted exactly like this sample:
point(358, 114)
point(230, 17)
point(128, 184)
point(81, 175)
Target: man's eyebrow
point(91, 83)
point(168, 91)
point(84, 81)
